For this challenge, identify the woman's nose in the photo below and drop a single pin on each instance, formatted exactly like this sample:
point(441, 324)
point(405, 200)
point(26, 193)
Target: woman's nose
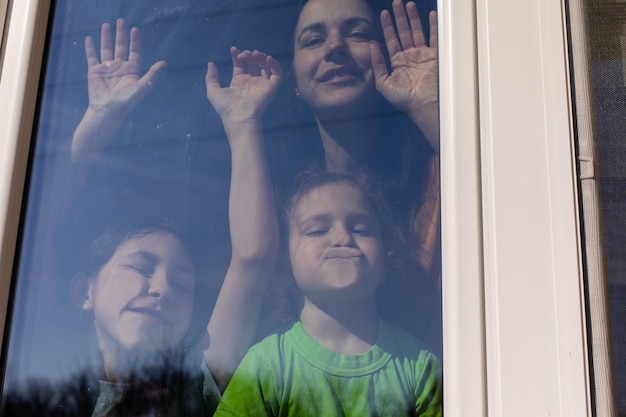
point(336, 45)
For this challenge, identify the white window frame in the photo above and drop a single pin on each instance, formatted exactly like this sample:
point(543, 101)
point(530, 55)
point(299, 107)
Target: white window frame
point(514, 318)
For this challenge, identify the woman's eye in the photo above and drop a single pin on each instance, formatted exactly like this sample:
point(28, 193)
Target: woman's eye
point(357, 34)
point(312, 41)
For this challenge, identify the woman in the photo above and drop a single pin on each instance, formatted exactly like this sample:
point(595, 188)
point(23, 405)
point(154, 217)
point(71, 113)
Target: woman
point(379, 127)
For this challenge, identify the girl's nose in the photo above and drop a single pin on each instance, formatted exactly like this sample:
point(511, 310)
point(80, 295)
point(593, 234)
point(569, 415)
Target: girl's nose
point(158, 285)
point(155, 291)
point(342, 237)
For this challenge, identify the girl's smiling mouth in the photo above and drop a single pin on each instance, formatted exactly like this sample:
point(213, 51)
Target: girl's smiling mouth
point(151, 314)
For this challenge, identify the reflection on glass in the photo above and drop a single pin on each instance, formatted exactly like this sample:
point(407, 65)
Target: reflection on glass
point(167, 233)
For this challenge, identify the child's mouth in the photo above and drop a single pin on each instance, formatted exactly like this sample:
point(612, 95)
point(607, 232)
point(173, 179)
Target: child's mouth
point(342, 253)
point(151, 314)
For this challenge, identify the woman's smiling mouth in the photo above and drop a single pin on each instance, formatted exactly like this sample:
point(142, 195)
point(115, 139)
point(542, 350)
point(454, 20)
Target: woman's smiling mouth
point(339, 75)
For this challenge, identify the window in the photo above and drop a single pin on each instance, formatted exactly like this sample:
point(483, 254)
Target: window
point(129, 246)
point(514, 328)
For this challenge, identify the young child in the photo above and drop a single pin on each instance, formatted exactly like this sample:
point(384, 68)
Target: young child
point(339, 358)
point(142, 292)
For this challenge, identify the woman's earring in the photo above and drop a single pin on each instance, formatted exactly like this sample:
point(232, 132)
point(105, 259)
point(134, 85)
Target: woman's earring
point(297, 92)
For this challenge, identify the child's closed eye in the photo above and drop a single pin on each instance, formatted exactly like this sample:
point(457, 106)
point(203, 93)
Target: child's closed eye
point(145, 270)
point(182, 285)
point(363, 231)
point(316, 231)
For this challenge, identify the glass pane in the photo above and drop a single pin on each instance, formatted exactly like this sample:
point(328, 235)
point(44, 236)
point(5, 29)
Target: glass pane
point(296, 209)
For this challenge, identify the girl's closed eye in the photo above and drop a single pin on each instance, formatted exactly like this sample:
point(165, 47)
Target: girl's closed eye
point(141, 268)
point(182, 285)
point(363, 230)
point(316, 231)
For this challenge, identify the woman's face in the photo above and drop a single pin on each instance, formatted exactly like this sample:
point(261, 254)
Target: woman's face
point(332, 63)
point(142, 298)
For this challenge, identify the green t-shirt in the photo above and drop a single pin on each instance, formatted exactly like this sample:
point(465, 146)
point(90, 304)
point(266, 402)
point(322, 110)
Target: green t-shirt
point(290, 374)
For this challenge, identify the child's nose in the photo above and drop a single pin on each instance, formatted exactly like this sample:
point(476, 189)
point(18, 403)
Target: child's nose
point(342, 237)
point(158, 285)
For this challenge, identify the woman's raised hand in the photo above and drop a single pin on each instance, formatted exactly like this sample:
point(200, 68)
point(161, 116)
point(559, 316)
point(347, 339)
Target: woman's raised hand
point(256, 77)
point(115, 83)
point(412, 85)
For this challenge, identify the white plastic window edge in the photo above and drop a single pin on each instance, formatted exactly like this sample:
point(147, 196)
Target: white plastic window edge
point(534, 301)
point(463, 316)
point(19, 81)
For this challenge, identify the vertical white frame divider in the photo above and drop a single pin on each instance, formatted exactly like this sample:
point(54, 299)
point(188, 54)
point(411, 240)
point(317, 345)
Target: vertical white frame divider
point(19, 81)
point(463, 313)
point(534, 300)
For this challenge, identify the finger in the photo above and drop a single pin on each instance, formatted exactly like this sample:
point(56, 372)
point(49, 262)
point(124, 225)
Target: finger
point(255, 62)
point(106, 49)
point(150, 77)
point(264, 64)
point(379, 67)
point(432, 19)
point(270, 68)
point(90, 52)
point(275, 69)
point(134, 55)
point(121, 40)
point(247, 64)
point(212, 80)
point(402, 24)
point(416, 24)
point(238, 57)
point(389, 33)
